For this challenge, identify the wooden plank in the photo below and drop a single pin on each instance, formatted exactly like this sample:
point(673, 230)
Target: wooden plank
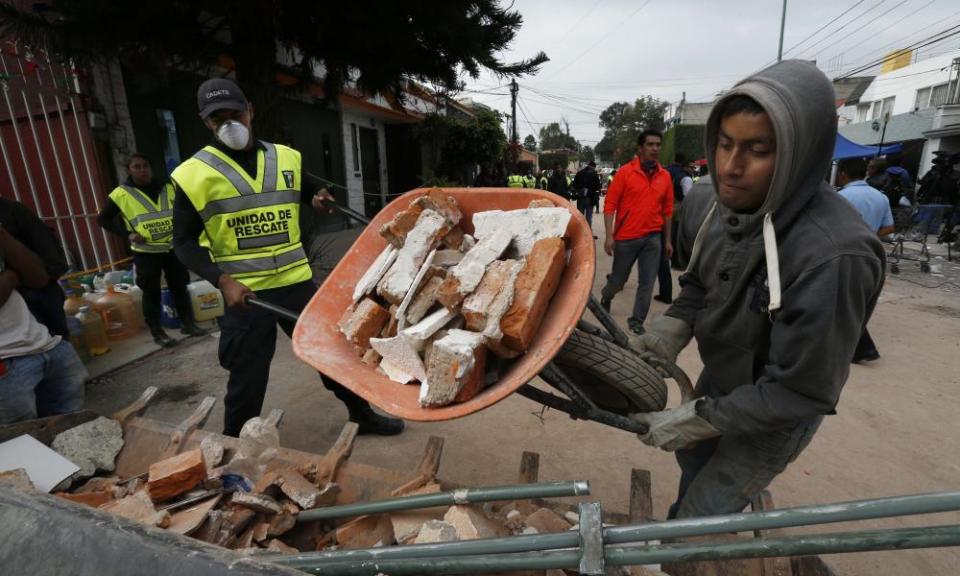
point(529, 467)
point(641, 501)
point(137, 407)
point(427, 470)
point(338, 453)
point(46, 429)
point(771, 566)
point(186, 427)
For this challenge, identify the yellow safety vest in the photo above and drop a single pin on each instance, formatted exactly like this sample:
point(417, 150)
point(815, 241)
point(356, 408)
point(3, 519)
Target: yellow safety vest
point(251, 226)
point(151, 220)
point(529, 182)
point(544, 182)
point(515, 181)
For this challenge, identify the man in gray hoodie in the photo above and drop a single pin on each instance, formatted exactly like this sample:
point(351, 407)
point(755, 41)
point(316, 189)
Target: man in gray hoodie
point(781, 277)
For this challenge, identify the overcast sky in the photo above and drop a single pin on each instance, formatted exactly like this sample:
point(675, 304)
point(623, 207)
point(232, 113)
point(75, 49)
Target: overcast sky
point(604, 51)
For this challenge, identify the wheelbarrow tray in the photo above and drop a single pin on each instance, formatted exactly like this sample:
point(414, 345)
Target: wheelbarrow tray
point(318, 342)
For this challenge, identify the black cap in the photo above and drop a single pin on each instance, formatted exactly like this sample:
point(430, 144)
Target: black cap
point(219, 94)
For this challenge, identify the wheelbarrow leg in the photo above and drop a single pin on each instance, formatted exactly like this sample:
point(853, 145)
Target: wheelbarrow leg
point(619, 336)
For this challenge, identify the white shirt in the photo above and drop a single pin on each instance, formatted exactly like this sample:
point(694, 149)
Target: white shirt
point(20, 333)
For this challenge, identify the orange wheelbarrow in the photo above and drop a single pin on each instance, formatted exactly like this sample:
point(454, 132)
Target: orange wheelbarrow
point(600, 376)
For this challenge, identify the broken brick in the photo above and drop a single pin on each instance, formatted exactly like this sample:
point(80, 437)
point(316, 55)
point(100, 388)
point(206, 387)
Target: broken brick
point(471, 523)
point(483, 309)
point(541, 203)
point(371, 357)
point(545, 520)
point(17, 478)
point(257, 502)
point(281, 524)
point(455, 370)
point(453, 239)
point(176, 475)
point(366, 532)
point(372, 276)
point(298, 489)
point(138, 507)
point(93, 499)
point(424, 300)
point(421, 240)
point(363, 322)
point(434, 531)
point(528, 226)
point(534, 288)
point(463, 278)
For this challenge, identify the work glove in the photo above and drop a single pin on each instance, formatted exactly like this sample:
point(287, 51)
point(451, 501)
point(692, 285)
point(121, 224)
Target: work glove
point(675, 428)
point(665, 338)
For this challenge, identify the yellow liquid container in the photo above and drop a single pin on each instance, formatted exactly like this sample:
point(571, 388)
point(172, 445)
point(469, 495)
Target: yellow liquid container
point(136, 295)
point(121, 319)
point(71, 306)
point(94, 336)
point(206, 301)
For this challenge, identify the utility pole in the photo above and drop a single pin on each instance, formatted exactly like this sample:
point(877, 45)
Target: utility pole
point(783, 21)
point(514, 137)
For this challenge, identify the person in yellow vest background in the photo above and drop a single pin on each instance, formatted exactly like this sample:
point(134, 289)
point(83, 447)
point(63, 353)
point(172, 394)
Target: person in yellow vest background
point(141, 210)
point(236, 224)
point(529, 181)
point(515, 180)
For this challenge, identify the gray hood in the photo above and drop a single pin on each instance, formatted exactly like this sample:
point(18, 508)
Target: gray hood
point(801, 104)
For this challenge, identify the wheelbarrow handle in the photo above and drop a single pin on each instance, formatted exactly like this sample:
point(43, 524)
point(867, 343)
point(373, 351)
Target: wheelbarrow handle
point(280, 311)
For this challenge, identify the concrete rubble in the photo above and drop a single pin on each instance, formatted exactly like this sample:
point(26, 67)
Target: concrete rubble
point(92, 446)
point(495, 285)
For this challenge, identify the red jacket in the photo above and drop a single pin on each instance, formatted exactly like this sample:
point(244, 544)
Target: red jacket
point(641, 203)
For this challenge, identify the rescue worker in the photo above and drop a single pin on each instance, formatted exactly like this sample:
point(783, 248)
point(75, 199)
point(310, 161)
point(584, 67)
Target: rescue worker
point(781, 277)
point(543, 180)
point(236, 223)
point(529, 181)
point(145, 207)
point(515, 180)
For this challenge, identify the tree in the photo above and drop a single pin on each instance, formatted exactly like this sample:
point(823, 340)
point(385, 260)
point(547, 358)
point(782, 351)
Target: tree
point(530, 143)
point(372, 44)
point(458, 144)
point(587, 154)
point(623, 122)
point(553, 137)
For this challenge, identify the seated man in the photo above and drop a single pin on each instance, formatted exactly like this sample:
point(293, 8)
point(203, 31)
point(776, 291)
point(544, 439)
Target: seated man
point(40, 373)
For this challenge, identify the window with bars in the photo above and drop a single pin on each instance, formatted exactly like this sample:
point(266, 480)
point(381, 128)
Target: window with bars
point(940, 94)
point(923, 98)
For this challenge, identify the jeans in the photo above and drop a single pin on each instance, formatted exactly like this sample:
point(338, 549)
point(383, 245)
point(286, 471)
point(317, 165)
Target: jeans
point(664, 279)
point(722, 475)
point(248, 340)
point(645, 251)
point(149, 270)
point(42, 384)
point(587, 208)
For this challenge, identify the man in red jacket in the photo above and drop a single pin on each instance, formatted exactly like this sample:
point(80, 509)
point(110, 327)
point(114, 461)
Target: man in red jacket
point(637, 215)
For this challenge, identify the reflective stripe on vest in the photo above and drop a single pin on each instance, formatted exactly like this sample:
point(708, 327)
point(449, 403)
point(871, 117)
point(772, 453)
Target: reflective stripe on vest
point(152, 221)
point(251, 226)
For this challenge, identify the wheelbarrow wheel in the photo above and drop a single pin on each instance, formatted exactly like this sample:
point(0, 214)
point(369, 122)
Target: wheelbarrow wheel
point(615, 378)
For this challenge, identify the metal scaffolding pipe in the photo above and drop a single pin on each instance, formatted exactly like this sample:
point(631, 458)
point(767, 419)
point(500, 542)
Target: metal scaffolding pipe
point(833, 543)
point(745, 522)
point(461, 496)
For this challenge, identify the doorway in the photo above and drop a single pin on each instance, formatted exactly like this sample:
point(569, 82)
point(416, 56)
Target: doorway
point(370, 168)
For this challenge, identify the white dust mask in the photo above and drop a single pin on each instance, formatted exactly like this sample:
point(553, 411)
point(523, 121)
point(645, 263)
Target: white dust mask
point(233, 134)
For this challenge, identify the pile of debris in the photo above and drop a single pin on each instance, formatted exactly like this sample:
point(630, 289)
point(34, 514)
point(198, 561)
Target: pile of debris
point(437, 299)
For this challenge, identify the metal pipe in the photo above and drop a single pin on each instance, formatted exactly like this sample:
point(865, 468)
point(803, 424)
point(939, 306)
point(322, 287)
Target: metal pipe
point(15, 124)
point(833, 543)
point(729, 523)
point(461, 496)
point(278, 310)
point(43, 168)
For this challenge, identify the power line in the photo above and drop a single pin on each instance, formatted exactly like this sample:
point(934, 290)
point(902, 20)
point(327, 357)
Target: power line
point(932, 39)
point(895, 22)
point(602, 39)
point(575, 24)
point(818, 30)
point(871, 21)
point(913, 34)
point(844, 25)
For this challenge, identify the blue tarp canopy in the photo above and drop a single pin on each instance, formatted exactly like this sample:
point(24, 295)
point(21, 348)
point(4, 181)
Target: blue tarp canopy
point(848, 149)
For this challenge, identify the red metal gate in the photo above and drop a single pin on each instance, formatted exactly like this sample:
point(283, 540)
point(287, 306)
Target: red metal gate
point(47, 152)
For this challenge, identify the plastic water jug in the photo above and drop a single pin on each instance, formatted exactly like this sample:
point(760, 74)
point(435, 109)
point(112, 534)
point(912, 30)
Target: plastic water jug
point(94, 335)
point(168, 310)
point(206, 301)
point(75, 327)
point(120, 317)
point(71, 306)
point(136, 294)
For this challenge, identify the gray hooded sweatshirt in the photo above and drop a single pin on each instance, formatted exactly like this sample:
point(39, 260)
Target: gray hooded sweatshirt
point(778, 298)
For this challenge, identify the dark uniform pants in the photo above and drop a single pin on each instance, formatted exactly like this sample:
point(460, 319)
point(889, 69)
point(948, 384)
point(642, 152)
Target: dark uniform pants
point(248, 339)
point(149, 269)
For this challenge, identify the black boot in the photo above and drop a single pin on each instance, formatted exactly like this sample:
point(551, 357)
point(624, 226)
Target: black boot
point(161, 338)
point(372, 423)
point(191, 329)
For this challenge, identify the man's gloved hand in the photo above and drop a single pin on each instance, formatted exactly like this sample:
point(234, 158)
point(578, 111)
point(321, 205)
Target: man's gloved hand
point(665, 338)
point(675, 428)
